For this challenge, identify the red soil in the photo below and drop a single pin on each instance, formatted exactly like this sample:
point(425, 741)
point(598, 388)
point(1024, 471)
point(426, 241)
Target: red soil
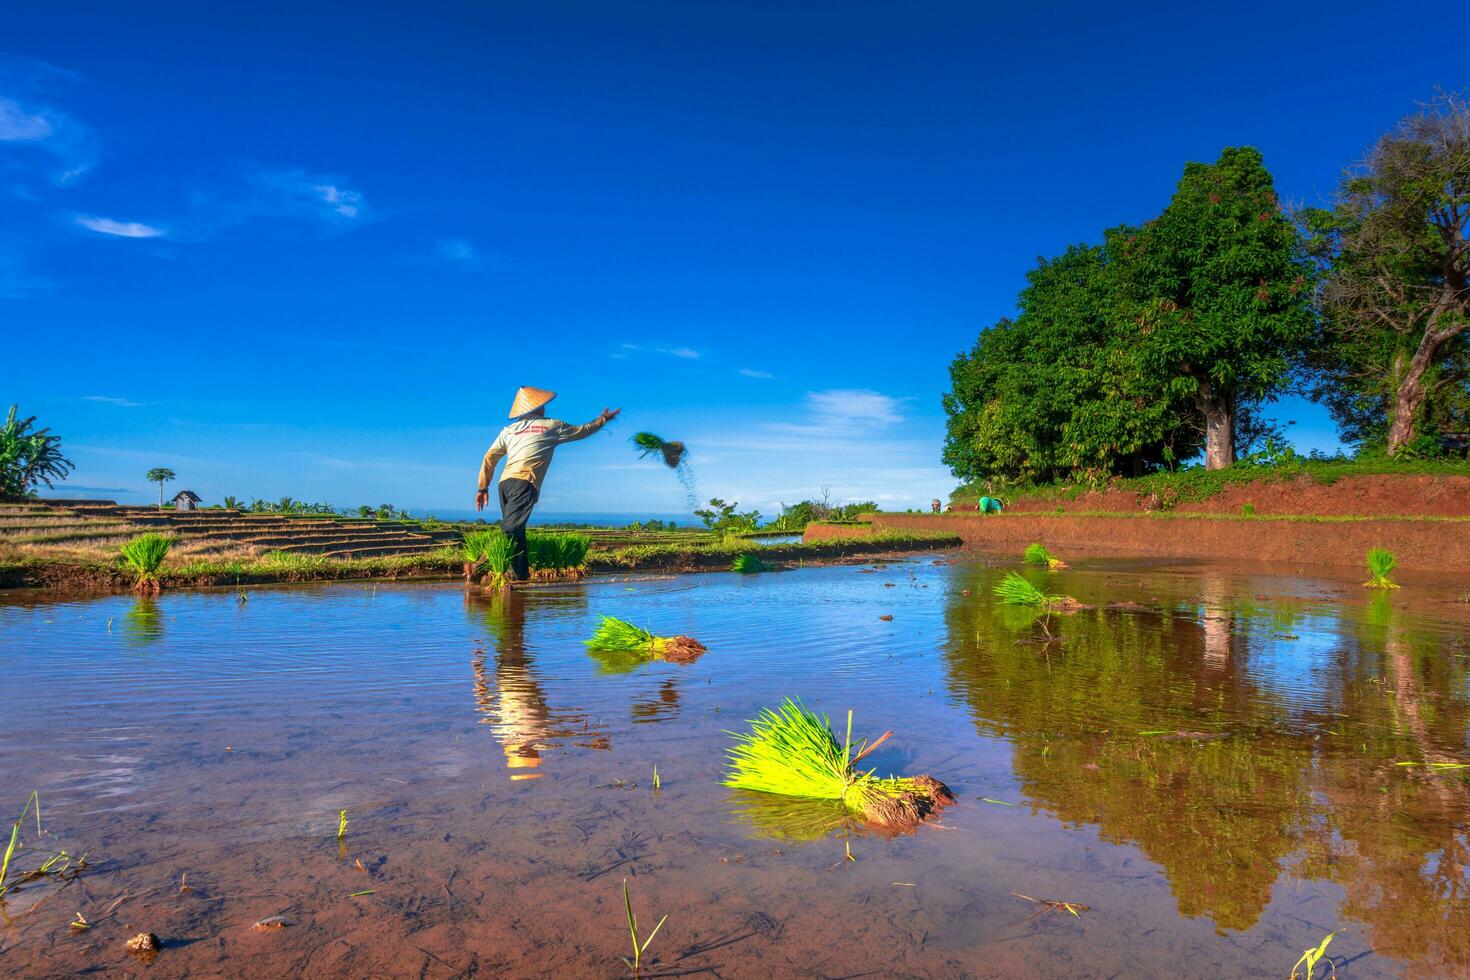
point(1385, 494)
point(1427, 545)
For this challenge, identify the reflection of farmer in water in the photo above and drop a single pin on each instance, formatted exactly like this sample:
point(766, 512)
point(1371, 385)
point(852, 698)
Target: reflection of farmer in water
point(527, 445)
point(513, 702)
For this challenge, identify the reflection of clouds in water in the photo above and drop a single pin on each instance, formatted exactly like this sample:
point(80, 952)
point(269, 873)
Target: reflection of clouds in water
point(511, 698)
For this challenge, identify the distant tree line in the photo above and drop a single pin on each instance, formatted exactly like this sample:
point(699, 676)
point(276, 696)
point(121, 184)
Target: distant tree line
point(1165, 340)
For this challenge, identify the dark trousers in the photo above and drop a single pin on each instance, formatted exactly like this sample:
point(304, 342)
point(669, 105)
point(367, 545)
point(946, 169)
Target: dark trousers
point(517, 498)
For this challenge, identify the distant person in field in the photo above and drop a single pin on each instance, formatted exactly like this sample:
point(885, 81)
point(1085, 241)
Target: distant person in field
point(527, 445)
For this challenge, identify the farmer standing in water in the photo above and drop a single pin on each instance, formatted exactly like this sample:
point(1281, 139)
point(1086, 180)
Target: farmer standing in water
point(526, 445)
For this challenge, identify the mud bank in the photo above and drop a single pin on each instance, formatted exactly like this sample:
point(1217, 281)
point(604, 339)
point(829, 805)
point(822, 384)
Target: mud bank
point(79, 577)
point(1425, 544)
point(1369, 495)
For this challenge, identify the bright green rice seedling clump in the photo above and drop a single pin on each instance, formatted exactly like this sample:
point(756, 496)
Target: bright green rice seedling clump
point(557, 556)
point(1381, 562)
point(748, 564)
point(793, 752)
point(1036, 554)
point(143, 556)
point(620, 636)
point(1014, 590)
point(487, 557)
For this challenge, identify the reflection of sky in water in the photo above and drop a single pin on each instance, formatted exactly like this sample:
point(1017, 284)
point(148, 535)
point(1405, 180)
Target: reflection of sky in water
point(493, 690)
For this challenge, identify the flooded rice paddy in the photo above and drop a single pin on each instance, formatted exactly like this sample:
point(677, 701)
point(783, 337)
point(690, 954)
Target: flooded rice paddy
point(1215, 769)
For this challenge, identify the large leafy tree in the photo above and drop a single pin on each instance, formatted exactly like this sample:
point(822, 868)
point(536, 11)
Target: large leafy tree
point(1396, 290)
point(1219, 292)
point(160, 475)
point(29, 457)
point(1057, 391)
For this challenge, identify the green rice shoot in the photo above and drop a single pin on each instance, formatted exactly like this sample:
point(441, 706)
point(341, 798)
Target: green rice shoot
point(1311, 957)
point(1037, 554)
point(617, 634)
point(638, 947)
point(341, 824)
point(793, 752)
point(1014, 590)
point(144, 555)
point(1381, 562)
point(748, 564)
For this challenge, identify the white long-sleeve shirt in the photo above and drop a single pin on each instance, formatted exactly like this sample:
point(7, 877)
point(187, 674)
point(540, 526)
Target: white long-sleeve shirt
point(527, 445)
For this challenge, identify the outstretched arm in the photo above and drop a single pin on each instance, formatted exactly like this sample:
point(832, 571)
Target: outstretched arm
point(571, 433)
point(487, 469)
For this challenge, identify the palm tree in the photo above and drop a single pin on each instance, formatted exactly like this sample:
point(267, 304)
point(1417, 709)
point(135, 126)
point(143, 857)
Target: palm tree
point(160, 475)
point(28, 458)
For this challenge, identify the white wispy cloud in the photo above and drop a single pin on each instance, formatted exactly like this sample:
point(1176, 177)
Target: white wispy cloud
point(752, 373)
point(838, 412)
point(119, 229)
point(111, 400)
point(297, 192)
point(687, 353)
point(457, 250)
point(19, 124)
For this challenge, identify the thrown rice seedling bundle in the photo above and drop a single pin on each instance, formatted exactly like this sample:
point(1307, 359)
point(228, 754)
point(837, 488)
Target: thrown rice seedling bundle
point(672, 452)
point(793, 752)
point(749, 564)
point(1014, 590)
point(144, 555)
point(1036, 554)
point(619, 636)
point(1381, 562)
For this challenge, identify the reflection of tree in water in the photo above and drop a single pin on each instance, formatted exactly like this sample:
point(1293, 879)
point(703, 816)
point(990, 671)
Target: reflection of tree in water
point(510, 695)
point(1217, 813)
point(143, 622)
point(1221, 813)
point(1400, 845)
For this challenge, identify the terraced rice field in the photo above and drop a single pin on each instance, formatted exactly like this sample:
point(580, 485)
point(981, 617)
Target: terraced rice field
point(100, 526)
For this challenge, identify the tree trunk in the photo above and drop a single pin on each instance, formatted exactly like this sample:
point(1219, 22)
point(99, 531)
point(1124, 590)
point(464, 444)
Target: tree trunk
point(1218, 408)
point(160, 495)
point(1408, 396)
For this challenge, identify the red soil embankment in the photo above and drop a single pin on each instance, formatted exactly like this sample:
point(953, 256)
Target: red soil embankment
point(1426, 545)
point(832, 532)
point(1396, 494)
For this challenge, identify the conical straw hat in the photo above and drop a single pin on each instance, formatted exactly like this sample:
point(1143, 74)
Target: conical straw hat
point(528, 400)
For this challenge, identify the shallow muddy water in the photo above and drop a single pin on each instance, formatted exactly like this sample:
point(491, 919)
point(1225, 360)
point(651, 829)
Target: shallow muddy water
point(1214, 770)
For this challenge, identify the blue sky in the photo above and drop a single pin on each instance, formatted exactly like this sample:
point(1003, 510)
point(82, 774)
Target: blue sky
point(289, 249)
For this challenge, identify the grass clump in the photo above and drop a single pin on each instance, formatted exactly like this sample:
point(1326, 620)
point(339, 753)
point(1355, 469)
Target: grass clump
point(143, 556)
point(747, 564)
point(793, 752)
point(56, 864)
point(559, 555)
point(1036, 554)
point(619, 636)
point(1381, 562)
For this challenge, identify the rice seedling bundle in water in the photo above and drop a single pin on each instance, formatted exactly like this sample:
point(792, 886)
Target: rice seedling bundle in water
point(477, 547)
point(1014, 590)
point(144, 555)
point(749, 564)
point(1381, 562)
point(487, 557)
point(1036, 554)
point(793, 752)
point(620, 636)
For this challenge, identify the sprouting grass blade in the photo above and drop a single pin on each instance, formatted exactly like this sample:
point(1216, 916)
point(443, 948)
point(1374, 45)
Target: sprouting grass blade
point(1381, 562)
point(1311, 957)
point(341, 824)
